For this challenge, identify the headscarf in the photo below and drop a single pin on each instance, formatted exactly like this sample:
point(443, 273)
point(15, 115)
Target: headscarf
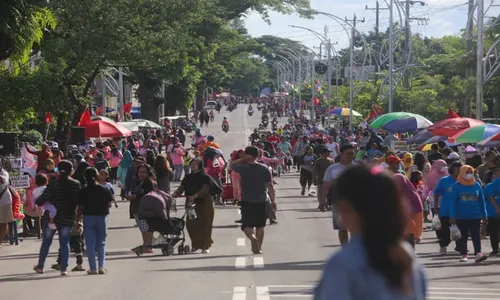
point(193, 182)
point(407, 160)
point(463, 171)
point(434, 175)
point(127, 161)
point(409, 192)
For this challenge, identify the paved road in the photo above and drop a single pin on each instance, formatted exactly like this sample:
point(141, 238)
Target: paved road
point(294, 252)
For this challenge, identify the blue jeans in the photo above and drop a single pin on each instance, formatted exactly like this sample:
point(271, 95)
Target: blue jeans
point(47, 237)
point(178, 171)
point(187, 170)
point(94, 231)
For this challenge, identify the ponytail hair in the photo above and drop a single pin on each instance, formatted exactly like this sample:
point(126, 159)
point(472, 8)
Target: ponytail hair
point(91, 175)
point(65, 168)
point(383, 239)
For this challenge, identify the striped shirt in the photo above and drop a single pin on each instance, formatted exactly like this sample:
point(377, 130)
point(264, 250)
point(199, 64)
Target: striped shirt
point(63, 194)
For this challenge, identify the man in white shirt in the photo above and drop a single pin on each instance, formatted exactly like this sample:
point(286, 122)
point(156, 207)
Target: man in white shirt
point(328, 191)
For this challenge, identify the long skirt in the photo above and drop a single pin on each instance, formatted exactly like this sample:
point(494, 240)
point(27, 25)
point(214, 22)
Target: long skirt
point(200, 229)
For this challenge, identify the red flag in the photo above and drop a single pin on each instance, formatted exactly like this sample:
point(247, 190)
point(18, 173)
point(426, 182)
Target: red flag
point(85, 117)
point(452, 114)
point(127, 108)
point(48, 117)
point(373, 114)
point(316, 101)
point(99, 111)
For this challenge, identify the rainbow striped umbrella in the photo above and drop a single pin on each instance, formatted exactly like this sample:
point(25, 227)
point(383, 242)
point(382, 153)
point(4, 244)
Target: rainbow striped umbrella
point(476, 134)
point(344, 111)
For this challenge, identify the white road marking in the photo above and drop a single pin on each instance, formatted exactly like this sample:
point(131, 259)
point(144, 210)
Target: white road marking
point(239, 212)
point(239, 293)
point(241, 262)
point(240, 242)
point(291, 286)
point(263, 293)
point(462, 289)
point(258, 262)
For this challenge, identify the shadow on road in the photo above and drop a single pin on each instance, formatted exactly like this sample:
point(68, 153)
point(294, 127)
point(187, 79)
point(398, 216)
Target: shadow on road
point(287, 266)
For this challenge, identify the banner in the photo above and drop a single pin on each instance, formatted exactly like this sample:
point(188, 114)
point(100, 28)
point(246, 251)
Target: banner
point(29, 160)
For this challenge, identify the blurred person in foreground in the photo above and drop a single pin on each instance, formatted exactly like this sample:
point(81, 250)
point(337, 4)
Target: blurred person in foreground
point(377, 263)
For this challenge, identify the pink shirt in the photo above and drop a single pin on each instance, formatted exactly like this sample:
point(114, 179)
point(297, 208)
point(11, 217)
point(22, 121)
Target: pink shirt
point(114, 160)
point(177, 156)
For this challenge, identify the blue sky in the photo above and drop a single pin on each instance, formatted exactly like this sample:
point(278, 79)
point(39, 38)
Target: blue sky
point(445, 17)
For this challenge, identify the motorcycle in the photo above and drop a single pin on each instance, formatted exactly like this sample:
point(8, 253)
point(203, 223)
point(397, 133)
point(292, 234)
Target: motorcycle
point(225, 128)
point(265, 123)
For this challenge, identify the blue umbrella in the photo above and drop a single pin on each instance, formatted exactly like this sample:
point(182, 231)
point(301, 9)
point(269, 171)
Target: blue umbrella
point(407, 124)
point(419, 137)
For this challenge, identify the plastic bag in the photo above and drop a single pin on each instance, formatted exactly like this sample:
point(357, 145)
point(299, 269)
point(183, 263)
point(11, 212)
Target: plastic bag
point(436, 223)
point(455, 233)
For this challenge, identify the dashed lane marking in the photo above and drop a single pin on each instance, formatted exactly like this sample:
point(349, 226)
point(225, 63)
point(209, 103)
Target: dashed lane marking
point(239, 293)
point(262, 293)
point(241, 262)
point(240, 242)
point(258, 262)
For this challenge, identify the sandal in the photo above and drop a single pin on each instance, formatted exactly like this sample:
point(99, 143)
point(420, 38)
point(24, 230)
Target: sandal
point(91, 272)
point(78, 269)
point(38, 270)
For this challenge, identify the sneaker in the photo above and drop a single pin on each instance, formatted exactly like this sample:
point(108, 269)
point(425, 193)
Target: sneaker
point(442, 251)
point(463, 258)
point(78, 269)
point(480, 257)
point(64, 273)
point(303, 192)
point(56, 267)
point(495, 253)
point(206, 251)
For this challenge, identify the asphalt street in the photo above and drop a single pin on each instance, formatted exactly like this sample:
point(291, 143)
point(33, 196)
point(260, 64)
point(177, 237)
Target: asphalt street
point(294, 253)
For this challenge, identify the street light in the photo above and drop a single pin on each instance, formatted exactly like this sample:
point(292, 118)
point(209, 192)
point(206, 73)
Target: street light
point(329, 67)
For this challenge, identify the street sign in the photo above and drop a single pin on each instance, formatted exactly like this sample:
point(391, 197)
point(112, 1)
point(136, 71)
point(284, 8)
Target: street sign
point(320, 68)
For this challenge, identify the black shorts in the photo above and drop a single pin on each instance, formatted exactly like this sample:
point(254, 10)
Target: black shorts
point(253, 214)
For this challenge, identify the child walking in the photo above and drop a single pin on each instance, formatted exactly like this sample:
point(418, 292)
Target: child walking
point(103, 181)
point(41, 182)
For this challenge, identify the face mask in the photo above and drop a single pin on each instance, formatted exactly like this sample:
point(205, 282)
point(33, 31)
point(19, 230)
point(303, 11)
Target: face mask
point(469, 177)
point(444, 169)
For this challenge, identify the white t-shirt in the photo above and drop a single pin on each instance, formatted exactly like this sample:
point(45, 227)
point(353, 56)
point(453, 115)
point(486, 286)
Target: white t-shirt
point(334, 171)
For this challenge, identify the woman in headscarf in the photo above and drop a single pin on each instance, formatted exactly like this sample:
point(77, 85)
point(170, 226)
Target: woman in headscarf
point(125, 163)
point(196, 189)
point(467, 209)
point(407, 162)
point(414, 231)
point(438, 170)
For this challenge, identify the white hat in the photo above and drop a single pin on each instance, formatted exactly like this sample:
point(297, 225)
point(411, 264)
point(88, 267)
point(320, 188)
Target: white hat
point(453, 155)
point(54, 145)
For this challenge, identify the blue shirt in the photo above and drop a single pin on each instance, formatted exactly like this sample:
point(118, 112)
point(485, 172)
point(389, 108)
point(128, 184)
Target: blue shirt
point(348, 276)
point(489, 191)
point(467, 202)
point(443, 189)
point(286, 147)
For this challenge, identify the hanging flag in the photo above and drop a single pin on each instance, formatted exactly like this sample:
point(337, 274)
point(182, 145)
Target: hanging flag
point(48, 117)
point(99, 111)
point(127, 108)
point(85, 117)
point(452, 114)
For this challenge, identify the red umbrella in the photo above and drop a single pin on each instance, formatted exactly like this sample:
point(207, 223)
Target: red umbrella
point(450, 127)
point(103, 128)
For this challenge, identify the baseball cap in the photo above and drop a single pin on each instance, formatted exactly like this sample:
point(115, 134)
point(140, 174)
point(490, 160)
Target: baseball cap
point(140, 159)
point(392, 159)
point(252, 151)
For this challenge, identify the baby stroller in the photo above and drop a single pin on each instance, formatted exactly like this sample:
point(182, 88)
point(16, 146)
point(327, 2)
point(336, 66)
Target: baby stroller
point(169, 231)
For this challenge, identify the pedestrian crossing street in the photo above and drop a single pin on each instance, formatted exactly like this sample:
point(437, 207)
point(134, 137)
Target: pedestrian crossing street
point(305, 292)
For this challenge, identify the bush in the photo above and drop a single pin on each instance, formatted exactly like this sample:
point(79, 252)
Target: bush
point(33, 137)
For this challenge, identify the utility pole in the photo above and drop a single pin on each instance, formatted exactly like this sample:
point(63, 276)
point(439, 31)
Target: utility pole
point(351, 62)
point(377, 10)
point(408, 19)
point(469, 29)
point(329, 68)
point(480, 54)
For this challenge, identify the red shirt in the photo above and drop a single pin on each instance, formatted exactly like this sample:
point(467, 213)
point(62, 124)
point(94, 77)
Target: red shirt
point(41, 157)
point(273, 139)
